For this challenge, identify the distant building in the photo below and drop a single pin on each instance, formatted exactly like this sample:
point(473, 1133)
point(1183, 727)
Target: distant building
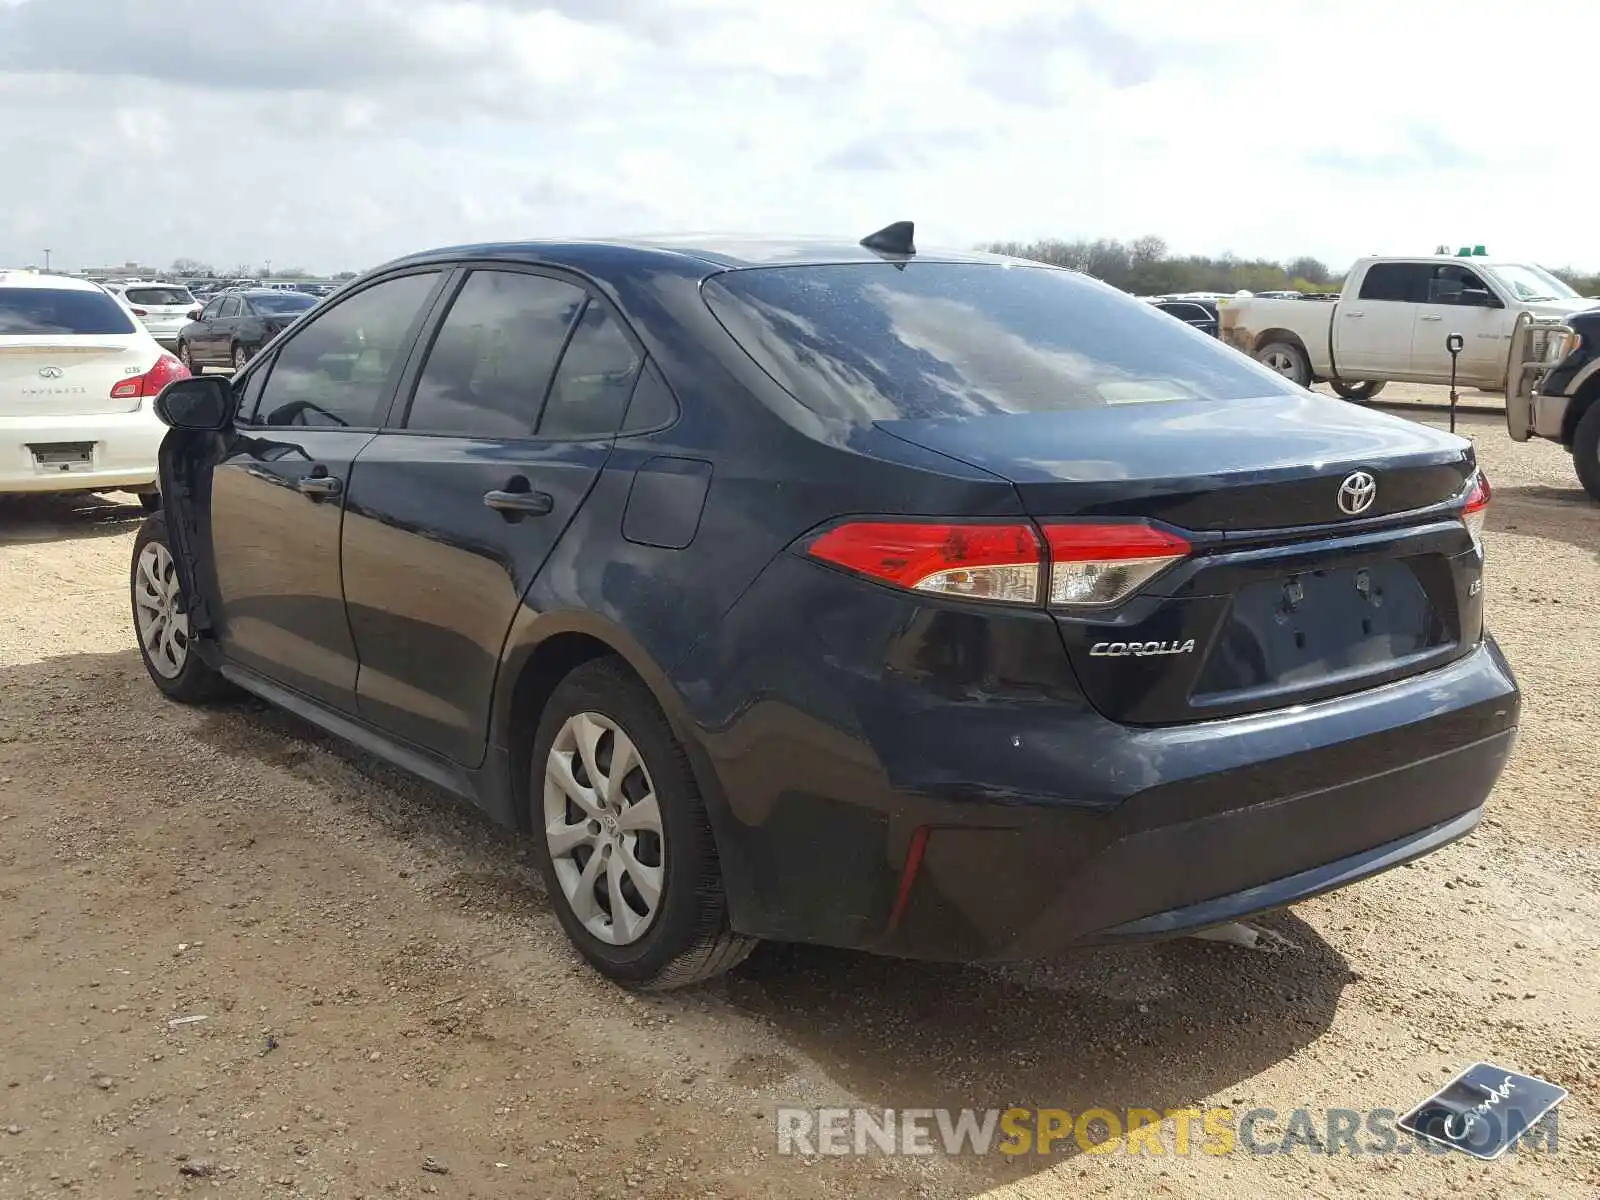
point(128, 270)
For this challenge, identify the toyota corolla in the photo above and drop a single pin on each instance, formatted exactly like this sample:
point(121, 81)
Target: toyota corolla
point(940, 605)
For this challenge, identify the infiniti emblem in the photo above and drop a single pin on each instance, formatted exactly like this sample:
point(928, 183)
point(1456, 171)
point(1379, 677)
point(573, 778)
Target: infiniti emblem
point(1357, 493)
point(50, 372)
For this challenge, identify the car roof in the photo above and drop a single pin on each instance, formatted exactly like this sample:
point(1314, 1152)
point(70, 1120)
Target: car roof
point(39, 279)
point(260, 291)
point(704, 254)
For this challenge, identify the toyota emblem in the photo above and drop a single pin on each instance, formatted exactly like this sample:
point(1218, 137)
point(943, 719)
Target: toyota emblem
point(1357, 493)
point(50, 372)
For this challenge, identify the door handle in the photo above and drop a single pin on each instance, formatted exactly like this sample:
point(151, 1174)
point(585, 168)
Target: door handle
point(1354, 315)
point(1427, 318)
point(525, 503)
point(319, 487)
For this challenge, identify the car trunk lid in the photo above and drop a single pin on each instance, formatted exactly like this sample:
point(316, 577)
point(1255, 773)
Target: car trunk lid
point(43, 375)
point(1293, 590)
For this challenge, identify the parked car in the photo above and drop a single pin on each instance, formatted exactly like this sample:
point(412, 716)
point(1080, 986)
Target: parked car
point(1392, 320)
point(940, 605)
point(235, 324)
point(78, 376)
point(163, 308)
point(1196, 313)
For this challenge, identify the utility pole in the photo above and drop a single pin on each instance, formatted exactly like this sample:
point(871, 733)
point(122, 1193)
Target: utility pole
point(47, 260)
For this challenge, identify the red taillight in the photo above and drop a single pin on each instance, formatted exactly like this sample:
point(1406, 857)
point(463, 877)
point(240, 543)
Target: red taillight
point(1093, 564)
point(974, 562)
point(1476, 510)
point(139, 312)
point(167, 369)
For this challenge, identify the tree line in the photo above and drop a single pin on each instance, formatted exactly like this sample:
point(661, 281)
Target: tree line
point(1146, 267)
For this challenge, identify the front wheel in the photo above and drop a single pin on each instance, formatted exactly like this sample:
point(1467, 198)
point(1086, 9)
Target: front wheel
point(161, 620)
point(621, 835)
point(1586, 450)
point(1288, 360)
point(1358, 392)
point(241, 356)
point(187, 358)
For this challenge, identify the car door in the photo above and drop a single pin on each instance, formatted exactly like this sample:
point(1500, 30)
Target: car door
point(219, 335)
point(201, 334)
point(497, 439)
point(1372, 333)
point(1459, 300)
point(277, 494)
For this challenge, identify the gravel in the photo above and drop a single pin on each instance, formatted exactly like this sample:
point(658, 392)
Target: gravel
point(385, 986)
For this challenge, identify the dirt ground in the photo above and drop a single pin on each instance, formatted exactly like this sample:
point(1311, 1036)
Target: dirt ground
point(384, 989)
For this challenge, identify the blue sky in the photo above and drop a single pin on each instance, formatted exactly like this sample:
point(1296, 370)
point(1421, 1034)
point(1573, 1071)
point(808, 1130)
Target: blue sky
point(338, 135)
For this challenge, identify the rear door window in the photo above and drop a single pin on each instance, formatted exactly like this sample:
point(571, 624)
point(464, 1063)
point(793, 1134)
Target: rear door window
point(861, 342)
point(594, 381)
point(55, 311)
point(1402, 282)
point(491, 362)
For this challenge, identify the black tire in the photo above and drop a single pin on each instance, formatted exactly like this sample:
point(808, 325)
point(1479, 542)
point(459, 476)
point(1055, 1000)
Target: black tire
point(1288, 360)
point(195, 682)
point(187, 358)
point(688, 939)
point(150, 501)
point(1358, 393)
point(1586, 450)
point(240, 357)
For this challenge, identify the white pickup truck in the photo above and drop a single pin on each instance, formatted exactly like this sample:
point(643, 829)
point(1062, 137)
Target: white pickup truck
point(1394, 316)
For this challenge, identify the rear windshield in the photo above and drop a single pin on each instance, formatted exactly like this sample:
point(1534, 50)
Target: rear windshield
point(59, 310)
point(157, 295)
point(865, 342)
point(285, 302)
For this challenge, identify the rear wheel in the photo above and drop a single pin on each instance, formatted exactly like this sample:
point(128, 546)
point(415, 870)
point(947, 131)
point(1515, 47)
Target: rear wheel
point(161, 621)
point(622, 838)
point(1586, 450)
point(1288, 360)
point(1358, 393)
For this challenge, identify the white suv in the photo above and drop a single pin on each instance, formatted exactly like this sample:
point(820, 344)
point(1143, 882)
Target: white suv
point(77, 377)
point(164, 308)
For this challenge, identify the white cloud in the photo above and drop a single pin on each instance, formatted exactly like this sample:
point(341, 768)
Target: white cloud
point(339, 135)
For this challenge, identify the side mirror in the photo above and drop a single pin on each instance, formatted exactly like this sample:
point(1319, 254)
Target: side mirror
point(1478, 298)
point(201, 402)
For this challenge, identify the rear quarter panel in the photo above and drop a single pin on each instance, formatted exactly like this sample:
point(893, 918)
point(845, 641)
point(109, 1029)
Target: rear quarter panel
point(1248, 324)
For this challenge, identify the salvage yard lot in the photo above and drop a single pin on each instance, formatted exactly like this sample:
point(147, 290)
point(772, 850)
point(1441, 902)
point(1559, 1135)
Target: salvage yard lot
point(382, 982)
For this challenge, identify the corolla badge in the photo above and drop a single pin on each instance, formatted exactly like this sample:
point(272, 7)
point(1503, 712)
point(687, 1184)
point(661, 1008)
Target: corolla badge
point(1139, 649)
point(1357, 493)
point(50, 372)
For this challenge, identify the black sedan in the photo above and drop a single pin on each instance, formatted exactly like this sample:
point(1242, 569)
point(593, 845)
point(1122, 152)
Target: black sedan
point(933, 604)
point(235, 324)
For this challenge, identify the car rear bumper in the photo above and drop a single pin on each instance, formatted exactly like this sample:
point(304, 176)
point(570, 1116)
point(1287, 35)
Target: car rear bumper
point(122, 451)
point(960, 827)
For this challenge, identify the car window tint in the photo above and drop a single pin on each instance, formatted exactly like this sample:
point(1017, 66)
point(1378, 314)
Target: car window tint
point(230, 307)
point(211, 310)
point(334, 369)
point(594, 381)
point(491, 361)
point(45, 310)
point(249, 395)
point(653, 405)
point(1406, 282)
point(1447, 282)
point(860, 342)
point(157, 296)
